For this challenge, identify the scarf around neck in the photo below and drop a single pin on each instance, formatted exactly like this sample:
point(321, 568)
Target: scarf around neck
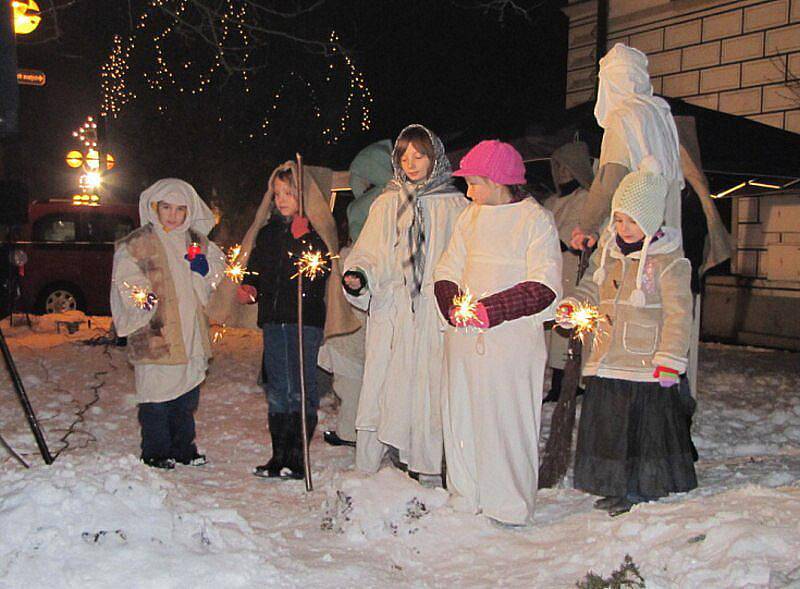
point(410, 236)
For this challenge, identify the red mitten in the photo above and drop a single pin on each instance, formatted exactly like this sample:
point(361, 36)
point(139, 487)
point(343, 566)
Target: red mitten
point(246, 294)
point(451, 317)
point(482, 319)
point(299, 226)
point(667, 377)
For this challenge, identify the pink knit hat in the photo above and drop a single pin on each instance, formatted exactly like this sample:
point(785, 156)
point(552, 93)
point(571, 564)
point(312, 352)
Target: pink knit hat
point(495, 160)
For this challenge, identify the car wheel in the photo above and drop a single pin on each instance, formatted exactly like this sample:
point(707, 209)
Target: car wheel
point(59, 300)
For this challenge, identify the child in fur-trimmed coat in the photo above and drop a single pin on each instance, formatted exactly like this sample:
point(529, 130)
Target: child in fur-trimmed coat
point(171, 263)
point(633, 436)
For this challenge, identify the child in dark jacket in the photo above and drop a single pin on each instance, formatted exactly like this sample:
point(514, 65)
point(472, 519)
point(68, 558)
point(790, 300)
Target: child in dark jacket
point(272, 283)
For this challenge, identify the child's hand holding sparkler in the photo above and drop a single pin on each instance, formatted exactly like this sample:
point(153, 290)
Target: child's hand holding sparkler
point(143, 298)
point(467, 311)
point(582, 318)
point(564, 313)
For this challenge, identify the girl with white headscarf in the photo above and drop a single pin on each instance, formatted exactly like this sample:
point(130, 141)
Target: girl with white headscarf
point(389, 274)
point(163, 275)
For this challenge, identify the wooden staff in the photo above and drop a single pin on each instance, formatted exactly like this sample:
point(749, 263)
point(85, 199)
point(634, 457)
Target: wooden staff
point(303, 421)
point(557, 451)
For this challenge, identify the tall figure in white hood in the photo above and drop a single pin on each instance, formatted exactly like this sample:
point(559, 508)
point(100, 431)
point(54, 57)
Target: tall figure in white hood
point(170, 260)
point(636, 125)
point(390, 274)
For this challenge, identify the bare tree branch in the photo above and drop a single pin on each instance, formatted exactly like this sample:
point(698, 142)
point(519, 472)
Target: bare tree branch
point(502, 8)
point(50, 20)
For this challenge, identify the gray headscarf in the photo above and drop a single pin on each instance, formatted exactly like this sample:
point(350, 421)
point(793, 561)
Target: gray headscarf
point(410, 220)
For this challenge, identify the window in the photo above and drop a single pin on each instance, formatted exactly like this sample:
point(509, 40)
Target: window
point(107, 228)
point(56, 227)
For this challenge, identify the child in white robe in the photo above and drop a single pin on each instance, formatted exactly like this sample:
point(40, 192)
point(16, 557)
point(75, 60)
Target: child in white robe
point(505, 251)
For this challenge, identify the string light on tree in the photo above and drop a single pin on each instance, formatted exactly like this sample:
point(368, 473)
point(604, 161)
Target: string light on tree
point(356, 91)
point(236, 40)
point(113, 75)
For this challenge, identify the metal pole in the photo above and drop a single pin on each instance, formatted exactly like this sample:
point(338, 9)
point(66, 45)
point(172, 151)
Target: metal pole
point(13, 452)
point(23, 398)
point(303, 421)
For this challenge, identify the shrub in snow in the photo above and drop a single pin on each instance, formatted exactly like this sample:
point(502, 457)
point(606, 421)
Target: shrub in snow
point(385, 504)
point(625, 577)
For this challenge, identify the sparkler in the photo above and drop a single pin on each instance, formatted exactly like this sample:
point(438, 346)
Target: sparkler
point(233, 268)
point(584, 318)
point(312, 263)
point(465, 308)
point(141, 297)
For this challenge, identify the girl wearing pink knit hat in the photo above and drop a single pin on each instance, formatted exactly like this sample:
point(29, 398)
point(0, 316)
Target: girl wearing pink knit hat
point(505, 251)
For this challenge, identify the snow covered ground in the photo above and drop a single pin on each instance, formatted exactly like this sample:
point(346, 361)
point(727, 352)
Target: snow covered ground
point(98, 518)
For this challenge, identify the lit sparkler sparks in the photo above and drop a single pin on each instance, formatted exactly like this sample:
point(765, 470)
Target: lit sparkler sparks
point(312, 263)
point(233, 268)
point(465, 305)
point(585, 318)
point(141, 297)
point(218, 332)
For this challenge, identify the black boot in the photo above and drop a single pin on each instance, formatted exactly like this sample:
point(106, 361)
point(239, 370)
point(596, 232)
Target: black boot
point(295, 443)
point(555, 386)
point(278, 425)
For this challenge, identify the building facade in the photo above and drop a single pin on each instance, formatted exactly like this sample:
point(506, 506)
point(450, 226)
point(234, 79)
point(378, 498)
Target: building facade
point(741, 57)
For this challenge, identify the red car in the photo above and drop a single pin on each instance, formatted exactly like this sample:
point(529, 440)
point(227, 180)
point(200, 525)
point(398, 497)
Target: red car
point(70, 251)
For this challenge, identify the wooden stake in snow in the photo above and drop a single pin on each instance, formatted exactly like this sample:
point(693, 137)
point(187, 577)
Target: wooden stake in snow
point(303, 420)
point(558, 450)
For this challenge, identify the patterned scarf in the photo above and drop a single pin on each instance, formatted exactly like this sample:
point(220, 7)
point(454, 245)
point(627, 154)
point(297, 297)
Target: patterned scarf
point(410, 219)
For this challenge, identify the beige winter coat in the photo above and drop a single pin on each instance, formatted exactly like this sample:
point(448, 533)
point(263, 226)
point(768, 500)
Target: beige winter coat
point(159, 341)
point(634, 340)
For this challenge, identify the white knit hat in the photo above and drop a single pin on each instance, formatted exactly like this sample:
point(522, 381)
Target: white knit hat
point(641, 195)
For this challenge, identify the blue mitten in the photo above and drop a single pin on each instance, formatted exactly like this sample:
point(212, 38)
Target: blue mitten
point(199, 264)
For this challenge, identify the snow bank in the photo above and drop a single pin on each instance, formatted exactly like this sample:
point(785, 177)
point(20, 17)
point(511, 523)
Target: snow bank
point(113, 522)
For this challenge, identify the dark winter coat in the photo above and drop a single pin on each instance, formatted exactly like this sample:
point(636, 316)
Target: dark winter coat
point(273, 258)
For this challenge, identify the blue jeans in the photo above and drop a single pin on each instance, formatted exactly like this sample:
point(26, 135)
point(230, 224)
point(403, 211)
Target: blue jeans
point(282, 367)
point(168, 428)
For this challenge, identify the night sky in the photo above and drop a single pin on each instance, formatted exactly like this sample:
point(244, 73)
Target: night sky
point(466, 73)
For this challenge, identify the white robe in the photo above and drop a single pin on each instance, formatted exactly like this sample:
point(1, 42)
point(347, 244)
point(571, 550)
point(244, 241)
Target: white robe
point(400, 397)
point(493, 378)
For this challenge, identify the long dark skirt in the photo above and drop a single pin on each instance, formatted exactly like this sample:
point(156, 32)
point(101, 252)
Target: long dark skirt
point(633, 439)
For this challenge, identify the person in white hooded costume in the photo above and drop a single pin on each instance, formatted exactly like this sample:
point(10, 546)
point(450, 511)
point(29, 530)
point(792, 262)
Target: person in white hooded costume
point(390, 273)
point(636, 125)
point(171, 259)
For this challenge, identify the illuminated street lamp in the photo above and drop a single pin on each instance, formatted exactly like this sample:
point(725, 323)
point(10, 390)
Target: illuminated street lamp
point(88, 160)
point(90, 182)
point(74, 159)
point(26, 16)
